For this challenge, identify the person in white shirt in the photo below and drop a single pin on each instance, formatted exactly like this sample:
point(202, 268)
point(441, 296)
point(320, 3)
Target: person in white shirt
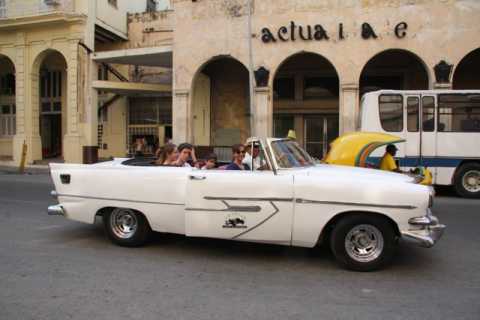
point(257, 163)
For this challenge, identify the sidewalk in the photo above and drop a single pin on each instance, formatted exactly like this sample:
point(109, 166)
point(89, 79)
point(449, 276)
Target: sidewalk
point(30, 169)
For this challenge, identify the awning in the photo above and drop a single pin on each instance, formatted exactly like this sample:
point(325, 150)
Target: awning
point(131, 88)
point(153, 57)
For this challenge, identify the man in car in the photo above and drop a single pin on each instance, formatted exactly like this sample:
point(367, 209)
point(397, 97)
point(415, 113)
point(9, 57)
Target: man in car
point(252, 157)
point(388, 161)
point(185, 152)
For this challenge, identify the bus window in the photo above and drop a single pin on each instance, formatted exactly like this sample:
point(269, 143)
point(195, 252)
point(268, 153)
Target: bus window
point(459, 112)
point(391, 112)
point(412, 114)
point(428, 114)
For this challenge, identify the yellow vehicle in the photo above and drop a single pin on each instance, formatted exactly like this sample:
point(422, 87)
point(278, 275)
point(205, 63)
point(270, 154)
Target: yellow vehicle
point(353, 149)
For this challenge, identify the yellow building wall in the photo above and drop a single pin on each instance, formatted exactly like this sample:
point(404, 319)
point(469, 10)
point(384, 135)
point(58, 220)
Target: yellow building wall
point(114, 131)
point(6, 147)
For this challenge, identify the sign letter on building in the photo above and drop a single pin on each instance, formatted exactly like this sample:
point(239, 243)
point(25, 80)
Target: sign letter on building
point(368, 32)
point(400, 30)
point(318, 32)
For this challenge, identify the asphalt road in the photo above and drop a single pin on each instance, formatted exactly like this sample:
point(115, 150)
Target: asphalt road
point(52, 268)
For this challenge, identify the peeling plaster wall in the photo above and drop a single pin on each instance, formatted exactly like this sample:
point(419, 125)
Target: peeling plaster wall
point(229, 99)
point(150, 29)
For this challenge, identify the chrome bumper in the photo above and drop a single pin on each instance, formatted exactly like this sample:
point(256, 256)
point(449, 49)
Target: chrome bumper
point(56, 210)
point(431, 230)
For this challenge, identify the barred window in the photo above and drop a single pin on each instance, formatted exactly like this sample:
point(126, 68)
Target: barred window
point(391, 112)
point(3, 8)
point(7, 120)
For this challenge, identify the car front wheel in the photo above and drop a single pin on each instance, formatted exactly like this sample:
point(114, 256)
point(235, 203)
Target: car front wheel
point(126, 227)
point(363, 242)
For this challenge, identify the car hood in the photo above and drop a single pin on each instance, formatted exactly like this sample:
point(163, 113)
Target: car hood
point(347, 172)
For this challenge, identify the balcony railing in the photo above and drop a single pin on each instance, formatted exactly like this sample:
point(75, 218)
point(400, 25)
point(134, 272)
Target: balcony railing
point(16, 9)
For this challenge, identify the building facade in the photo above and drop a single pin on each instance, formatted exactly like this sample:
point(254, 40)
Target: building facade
point(46, 97)
point(312, 60)
point(213, 72)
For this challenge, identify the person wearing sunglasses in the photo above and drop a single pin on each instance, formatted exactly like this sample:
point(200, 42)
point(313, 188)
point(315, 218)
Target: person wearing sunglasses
point(238, 151)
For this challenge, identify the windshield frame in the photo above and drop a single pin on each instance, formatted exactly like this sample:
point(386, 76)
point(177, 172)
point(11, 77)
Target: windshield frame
point(311, 161)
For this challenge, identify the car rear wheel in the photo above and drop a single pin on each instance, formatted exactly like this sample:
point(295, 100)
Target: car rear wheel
point(467, 180)
point(363, 242)
point(126, 227)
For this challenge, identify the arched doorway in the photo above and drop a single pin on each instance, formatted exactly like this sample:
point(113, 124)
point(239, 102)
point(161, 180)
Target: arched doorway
point(220, 105)
point(7, 106)
point(306, 99)
point(52, 102)
point(467, 73)
point(394, 69)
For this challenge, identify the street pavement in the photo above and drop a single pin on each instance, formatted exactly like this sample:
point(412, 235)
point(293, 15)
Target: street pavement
point(53, 268)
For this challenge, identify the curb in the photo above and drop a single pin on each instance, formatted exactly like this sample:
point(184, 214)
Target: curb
point(28, 170)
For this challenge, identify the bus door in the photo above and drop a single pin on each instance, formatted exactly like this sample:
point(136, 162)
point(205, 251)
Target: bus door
point(428, 149)
point(412, 133)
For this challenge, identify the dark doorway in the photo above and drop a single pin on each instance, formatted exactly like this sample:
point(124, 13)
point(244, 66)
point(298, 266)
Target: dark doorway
point(51, 133)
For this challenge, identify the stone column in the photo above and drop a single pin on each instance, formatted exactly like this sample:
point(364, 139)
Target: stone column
point(349, 108)
point(180, 117)
point(27, 104)
point(72, 151)
point(20, 134)
point(263, 113)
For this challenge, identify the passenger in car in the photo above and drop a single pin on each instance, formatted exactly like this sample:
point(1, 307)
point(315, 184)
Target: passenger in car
point(238, 151)
point(211, 162)
point(186, 152)
point(168, 155)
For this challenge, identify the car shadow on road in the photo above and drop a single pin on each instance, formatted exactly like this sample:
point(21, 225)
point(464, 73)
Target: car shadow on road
point(407, 256)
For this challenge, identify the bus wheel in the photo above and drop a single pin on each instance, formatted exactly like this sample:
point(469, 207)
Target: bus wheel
point(467, 180)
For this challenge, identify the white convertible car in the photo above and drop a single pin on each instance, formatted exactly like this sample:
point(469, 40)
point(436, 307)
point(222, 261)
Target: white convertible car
point(361, 213)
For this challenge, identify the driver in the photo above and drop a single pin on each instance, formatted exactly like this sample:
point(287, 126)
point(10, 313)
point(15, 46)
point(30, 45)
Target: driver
point(252, 157)
point(388, 162)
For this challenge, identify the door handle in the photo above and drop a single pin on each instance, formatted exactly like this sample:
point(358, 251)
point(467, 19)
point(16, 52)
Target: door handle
point(192, 177)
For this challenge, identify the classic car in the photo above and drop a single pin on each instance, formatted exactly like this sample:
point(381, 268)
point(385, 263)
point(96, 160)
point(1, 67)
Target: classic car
point(360, 213)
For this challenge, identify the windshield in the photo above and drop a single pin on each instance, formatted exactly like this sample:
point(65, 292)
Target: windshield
point(289, 154)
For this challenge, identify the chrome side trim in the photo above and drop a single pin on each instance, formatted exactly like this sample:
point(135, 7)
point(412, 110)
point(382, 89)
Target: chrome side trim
point(249, 199)
point(374, 205)
point(244, 209)
point(229, 208)
point(260, 223)
point(55, 210)
point(121, 200)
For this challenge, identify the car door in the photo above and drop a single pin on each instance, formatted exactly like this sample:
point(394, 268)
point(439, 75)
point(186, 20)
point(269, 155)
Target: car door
point(240, 205)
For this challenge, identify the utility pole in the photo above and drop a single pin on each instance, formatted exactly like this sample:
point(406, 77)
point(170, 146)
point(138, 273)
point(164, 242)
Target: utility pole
point(250, 68)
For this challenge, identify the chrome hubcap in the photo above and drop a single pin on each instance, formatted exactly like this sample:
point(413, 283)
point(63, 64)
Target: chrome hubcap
point(471, 181)
point(123, 223)
point(364, 243)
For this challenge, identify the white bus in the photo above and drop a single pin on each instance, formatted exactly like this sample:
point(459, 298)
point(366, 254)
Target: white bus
point(441, 129)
